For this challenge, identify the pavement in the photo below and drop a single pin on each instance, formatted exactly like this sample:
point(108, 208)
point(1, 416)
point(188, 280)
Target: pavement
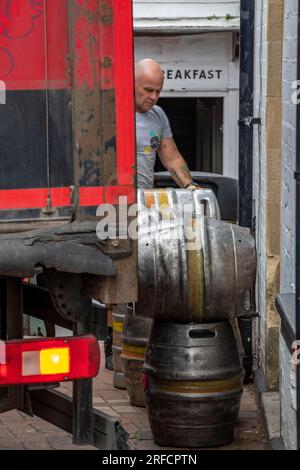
point(19, 431)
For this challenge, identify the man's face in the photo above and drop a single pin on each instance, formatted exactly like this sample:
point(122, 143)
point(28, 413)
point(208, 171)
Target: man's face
point(147, 91)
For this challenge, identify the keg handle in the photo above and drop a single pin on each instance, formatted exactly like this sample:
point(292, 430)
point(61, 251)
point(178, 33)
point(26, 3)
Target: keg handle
point(202, 334)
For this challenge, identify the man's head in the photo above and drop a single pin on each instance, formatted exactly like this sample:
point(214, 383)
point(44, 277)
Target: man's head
point(149, 79)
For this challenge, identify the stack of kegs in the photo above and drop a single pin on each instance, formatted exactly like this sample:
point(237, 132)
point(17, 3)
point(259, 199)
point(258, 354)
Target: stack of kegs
point(118, 316)
point(135, 338)
point(196, 276)
point(130, 339)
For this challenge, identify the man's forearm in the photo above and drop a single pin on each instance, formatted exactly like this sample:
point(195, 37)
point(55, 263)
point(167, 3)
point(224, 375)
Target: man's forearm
point(180, 174)
point(174, 162)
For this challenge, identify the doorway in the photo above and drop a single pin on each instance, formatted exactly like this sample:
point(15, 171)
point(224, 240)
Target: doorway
point(197, 126)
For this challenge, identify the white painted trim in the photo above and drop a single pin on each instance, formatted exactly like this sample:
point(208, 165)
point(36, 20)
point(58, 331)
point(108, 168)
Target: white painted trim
point(190, 2)
point(150, 27)
point(231, 134)
point(165, 16)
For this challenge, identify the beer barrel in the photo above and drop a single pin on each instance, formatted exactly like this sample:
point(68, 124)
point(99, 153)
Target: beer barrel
point(119, 312)
point(200, 270)
point(202, 201)
point(136, 333)
point(193, 380)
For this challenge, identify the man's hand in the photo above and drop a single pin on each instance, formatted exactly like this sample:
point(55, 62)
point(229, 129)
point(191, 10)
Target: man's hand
point(191, 186)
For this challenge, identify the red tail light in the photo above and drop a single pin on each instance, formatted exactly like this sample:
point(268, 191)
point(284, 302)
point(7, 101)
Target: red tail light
point(48, 360)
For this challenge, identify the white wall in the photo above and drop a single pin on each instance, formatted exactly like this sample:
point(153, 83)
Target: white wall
point(201, 52)
point(259, 163)
point(197, 52)
point(213, 51)
point(189, 15)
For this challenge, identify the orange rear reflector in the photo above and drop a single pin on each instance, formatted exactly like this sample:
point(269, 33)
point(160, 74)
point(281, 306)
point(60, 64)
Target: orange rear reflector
point(55, 361)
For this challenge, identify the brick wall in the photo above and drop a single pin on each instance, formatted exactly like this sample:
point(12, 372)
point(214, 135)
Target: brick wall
point(267, 169)
point(288, 196)
point(288, 397)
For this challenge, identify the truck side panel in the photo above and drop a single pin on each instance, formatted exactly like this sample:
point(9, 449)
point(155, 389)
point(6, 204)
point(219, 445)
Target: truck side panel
point(67, 128)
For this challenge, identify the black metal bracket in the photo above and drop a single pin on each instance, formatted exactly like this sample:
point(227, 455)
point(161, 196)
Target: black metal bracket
point(250, 122)
point(38, 304)
point(65, 290)
point(56, 408)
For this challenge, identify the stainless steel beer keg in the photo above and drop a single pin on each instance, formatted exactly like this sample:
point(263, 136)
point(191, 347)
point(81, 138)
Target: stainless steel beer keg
point(193, 378)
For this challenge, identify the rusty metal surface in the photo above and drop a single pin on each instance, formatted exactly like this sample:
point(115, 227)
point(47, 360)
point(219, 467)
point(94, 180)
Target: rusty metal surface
point(72, 248)
point(95, 138)
point(66, 293)
point(93, 103)
point(108, 138)
point(120, 289)
point(92, 65)
point(17, 226)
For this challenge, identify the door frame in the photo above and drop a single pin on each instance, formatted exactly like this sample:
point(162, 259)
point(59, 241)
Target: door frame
point(230, 122)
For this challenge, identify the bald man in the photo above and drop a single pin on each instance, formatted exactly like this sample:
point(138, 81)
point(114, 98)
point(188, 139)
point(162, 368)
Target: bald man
point(153, 132)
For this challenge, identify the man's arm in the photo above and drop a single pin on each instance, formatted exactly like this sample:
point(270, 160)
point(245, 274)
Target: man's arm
point(174, 162)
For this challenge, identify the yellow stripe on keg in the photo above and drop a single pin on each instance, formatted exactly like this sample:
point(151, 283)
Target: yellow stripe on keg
point(199, 387)
point(163, 197)
point(131, 351)
point(196, 278)
point(118, 326)
point(164, 206)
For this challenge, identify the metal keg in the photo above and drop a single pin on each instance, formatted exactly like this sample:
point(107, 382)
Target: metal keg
point(136, 333)
point(198, 269)
point(119, 312)
point(193, 384)
point(183, 202)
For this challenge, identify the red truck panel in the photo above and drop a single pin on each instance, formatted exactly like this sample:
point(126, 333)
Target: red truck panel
point(44, 57)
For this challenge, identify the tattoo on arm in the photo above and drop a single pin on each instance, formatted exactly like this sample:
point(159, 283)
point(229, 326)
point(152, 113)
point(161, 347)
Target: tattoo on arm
point(185, 171)
point(181, 176)
point(174, 162)
point(176, 178)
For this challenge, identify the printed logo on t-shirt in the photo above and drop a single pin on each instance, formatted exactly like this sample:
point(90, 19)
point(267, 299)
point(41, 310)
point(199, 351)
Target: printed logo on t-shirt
point(154, 140)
